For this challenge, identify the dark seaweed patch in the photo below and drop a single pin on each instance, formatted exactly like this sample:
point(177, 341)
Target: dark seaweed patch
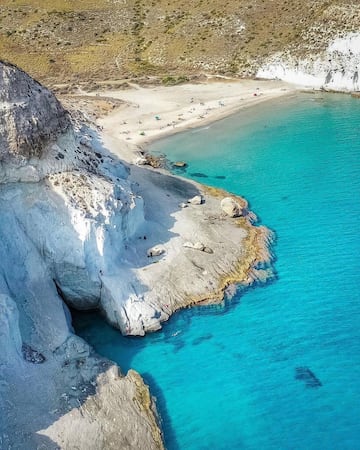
point(308, 377)
point(178, 345)
point(199, 175)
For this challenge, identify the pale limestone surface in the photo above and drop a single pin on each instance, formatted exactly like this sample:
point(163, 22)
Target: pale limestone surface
point(77, 227)
point(336, 68)
point(56, 213)
point(231, 207)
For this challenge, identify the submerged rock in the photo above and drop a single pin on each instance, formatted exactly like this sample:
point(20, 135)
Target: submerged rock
point(308, 376)
point(199, 175)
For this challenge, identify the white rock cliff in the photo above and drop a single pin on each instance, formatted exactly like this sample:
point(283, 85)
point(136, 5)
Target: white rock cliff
point(337, 68)
point(60, 219)
point(76, 227)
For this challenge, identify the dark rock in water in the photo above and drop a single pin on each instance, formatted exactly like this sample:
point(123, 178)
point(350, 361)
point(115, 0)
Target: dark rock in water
point(307, 376)
point(201, 339)
point(31, 355)
point(199, 175)
point(220, 177)
point(178, 345)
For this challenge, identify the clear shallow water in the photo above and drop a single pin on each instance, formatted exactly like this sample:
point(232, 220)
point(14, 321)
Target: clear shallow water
point(226, 378)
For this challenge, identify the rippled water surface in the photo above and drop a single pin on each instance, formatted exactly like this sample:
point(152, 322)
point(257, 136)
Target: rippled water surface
point(278, 368)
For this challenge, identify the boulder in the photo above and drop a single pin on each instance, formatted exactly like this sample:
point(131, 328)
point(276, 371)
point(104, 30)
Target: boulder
point(208, 250)
point(140, 161)
point(198, 246)
point(231, 207)
point(197, 200)
point(157, 250)
point(180, 164)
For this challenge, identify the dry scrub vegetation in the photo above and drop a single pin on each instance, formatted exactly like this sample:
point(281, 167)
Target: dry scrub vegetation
point(74, 41)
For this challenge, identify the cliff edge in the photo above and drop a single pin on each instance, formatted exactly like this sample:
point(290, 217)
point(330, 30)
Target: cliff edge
point(79, 227)
point(54, 391)
point(335, 68)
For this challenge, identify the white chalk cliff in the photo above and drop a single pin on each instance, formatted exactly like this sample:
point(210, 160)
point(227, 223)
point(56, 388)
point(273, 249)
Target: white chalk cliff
point(76, 227)
point(336, 68)
point(56, 208)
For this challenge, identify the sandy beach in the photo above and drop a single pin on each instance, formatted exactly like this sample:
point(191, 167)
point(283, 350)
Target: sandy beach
point(149, 113)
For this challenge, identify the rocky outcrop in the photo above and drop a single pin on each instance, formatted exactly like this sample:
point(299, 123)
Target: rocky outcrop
point(57, 229)
point(102, 421)
point(336, 68)
point(80, 229)
point(36, 137)
point(90, 226)
point(74, 399)
point(31, 117)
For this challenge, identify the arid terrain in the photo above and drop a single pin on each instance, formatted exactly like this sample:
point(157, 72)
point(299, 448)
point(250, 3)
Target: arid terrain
point(68, 41)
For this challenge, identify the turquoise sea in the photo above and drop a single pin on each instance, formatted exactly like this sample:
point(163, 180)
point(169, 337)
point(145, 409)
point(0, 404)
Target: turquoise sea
point(279, 366)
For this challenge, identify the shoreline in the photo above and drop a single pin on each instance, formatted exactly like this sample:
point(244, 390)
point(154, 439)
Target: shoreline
point(166, 216)
point(207, 223)
point(139, 210)
point(150, 114)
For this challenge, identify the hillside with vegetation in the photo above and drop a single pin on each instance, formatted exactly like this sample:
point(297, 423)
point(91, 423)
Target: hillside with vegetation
point(74, 41)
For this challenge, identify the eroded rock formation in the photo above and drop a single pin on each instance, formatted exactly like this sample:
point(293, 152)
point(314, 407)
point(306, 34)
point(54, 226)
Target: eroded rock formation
point(76, 226)
point(31, 118)
point(51, 383)
point(335, 68)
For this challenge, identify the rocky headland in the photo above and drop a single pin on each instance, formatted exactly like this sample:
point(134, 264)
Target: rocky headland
point(81, 228)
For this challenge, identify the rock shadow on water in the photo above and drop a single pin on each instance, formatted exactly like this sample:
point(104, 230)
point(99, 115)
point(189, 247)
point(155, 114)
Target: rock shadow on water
point(164, 419)
point(308, 377)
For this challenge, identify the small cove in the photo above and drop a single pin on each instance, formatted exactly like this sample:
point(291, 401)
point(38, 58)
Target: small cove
point(228, 377)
